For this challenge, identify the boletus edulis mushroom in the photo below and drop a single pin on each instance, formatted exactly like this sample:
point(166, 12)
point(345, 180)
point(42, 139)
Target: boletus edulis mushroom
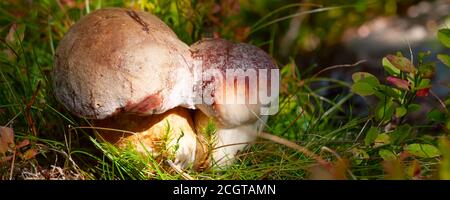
point(128, 71)
point(240, 87)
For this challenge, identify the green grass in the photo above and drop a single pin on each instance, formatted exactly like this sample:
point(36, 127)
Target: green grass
point(326, 126)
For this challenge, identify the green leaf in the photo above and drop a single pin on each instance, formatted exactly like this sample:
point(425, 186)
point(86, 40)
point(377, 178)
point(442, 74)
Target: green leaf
point(389, 68)
point(359, 155)
point(401, 133)
point(363, 88)
point(427, 70)
point(401, 63)
point(400, 112)
point(413, 107)
point(444, 37)
point(385, 110)
point(359, 76)
point(423, 150)
point(387, 154)
point(437, 116)
point(382, 139)
point(373, 81)
point(424, 83)
point(389, 91)
point(371, 136)
point(444, 59)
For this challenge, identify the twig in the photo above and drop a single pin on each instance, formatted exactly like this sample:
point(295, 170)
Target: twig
point(338, 66)
point(293, 122)
point(325, 148)
point(234, 144)
point(179, 171)
point(439, 100)
point(11, 120)
point(293, 145)
point(360, 132)
point(12, 165)
point(27, 113)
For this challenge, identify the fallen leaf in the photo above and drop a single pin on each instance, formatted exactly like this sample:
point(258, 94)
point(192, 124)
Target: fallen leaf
point(29, 154)
point(6, 138)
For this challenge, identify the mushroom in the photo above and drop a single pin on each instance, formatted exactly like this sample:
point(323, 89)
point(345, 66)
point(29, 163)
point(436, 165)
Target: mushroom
point(233, 102)
point(127, 70)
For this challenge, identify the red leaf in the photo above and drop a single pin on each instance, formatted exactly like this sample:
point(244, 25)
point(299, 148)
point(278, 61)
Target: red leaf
point(415, 169)
point(423, 92)
point(400, 83)
point(25, 142)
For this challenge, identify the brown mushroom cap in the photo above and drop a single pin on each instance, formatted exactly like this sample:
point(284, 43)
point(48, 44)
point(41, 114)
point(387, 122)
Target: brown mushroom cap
point(120, 60)
point(221, 54)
